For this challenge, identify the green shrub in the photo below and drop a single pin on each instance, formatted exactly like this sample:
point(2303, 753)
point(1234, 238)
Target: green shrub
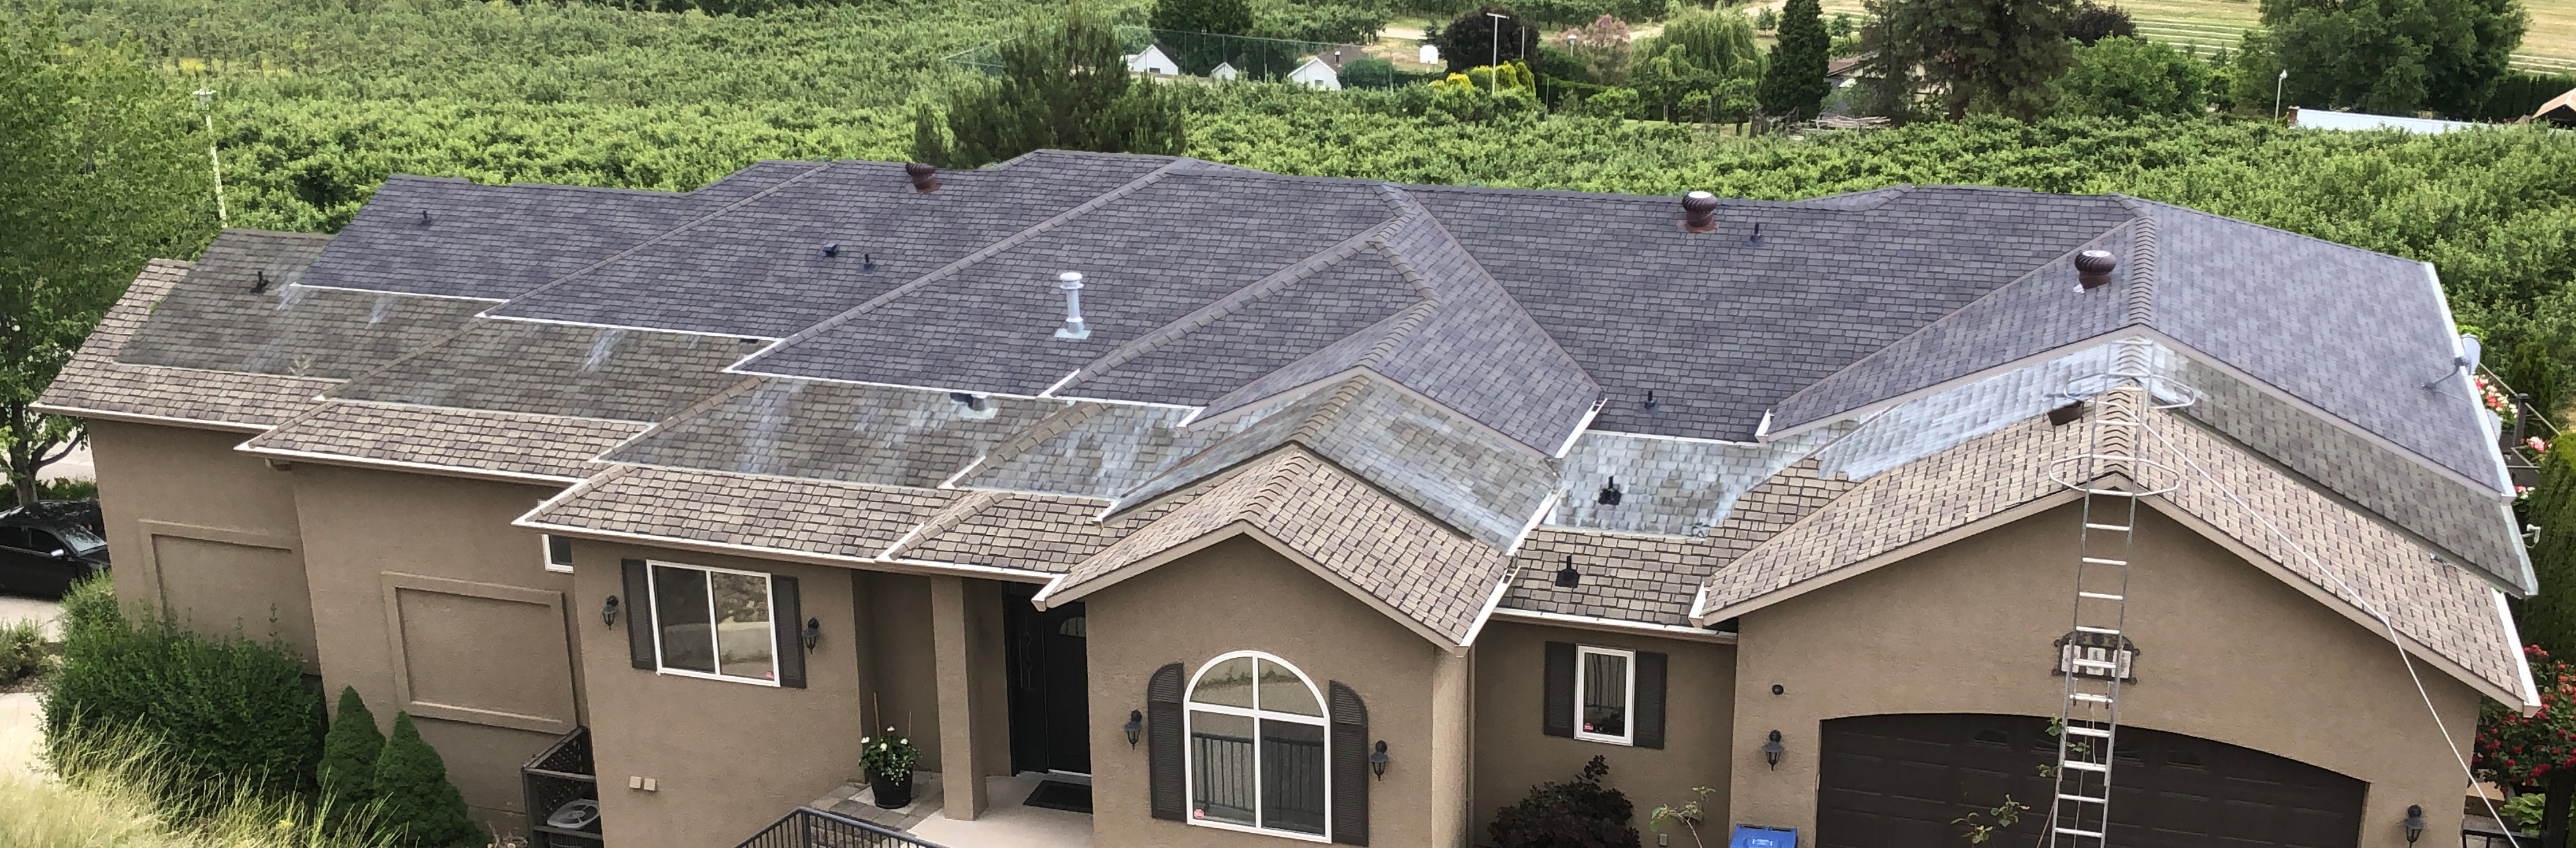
point(227, 708)
point(91, 606)
point(2125, 78)
point(349, 751)
point(418, 808)
point(1579, 813)
point(22, 651)
point(63, 489)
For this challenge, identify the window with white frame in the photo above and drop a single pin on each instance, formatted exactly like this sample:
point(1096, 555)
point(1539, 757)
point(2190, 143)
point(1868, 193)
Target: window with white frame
point(1256, 749)
point(1605, 684)
point(713, 622)
point(558, 553)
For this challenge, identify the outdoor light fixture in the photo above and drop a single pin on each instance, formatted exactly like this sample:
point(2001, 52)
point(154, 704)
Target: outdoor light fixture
point(1377, 760)
point(608, 612)
point(1771, 750)
point(2414, 823)
point(813, 633)
point(1135, 726)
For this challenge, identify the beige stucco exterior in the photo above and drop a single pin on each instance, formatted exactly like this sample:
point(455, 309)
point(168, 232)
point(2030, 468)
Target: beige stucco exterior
point(1513, 753)
point(2226, 652)
point(427, 601)
point(1238, 595)
point(205, 532)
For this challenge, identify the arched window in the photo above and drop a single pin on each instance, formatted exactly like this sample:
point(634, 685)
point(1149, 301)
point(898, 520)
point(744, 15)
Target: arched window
point(1256, 752)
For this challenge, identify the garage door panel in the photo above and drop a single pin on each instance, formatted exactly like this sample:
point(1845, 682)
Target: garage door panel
point(1901, 779)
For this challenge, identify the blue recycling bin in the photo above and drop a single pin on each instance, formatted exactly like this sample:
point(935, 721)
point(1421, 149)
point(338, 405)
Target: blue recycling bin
point(1757, 836)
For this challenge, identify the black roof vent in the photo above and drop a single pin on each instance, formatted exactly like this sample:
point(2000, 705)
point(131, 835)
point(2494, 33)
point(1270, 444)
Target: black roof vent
point(2067, 414)
point(1609, 493)
point(867, 262)
point(1650, 398)
point(1567, 577)
point(925, 177)
point(1699, 212)
point(261, 284)
point(831, 249)
point(2093, 268)
point(1756, 238)
point(969, 399)
point(424, 217)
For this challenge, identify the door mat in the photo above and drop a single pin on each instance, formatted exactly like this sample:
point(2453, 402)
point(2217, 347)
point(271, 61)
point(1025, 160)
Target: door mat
point(1059, 795)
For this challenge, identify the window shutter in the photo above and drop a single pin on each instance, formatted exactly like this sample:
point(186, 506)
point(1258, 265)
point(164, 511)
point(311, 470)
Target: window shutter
point(638, 609)
point(1167, 773)
point(1350, 767)
point(1650, 700)
point(1560, 689)
point(787, 626)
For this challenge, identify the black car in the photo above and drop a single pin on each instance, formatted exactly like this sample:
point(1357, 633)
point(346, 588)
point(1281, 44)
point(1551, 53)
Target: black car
point(47, 547)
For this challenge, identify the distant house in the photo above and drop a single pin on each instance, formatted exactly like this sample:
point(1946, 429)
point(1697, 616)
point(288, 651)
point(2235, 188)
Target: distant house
point(1155, 60)
point(1843, 72)
point(2560, 110)
point(1223, 71)
point(2320, 119)
point(1317, 73)
point(1428, 55)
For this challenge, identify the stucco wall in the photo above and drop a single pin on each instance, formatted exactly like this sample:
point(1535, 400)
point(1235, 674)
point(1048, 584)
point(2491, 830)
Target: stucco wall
point(1513, 754)
point(1238, 595)
point(2226, 652)
point(426, 600)
point(226, 524)
point(728, 758)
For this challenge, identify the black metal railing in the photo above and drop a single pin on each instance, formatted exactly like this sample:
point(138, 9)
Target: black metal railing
point(811, 828)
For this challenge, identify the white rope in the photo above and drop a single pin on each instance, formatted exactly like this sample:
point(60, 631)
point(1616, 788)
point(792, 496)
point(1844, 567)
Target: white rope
point(2357, 599)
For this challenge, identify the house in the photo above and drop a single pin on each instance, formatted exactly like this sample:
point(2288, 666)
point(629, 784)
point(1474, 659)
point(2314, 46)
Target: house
point(2328, 120)
point(1841, 73)
point(1349, 526)
point(1154, 60)
point(1315, 72)
point(2559, 111)
point(1223, 71)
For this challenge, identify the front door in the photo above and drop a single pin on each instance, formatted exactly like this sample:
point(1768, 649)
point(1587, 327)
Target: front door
point(1050, 684)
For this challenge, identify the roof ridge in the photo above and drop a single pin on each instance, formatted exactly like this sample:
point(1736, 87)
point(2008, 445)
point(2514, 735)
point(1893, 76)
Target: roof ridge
point(1057, 423)
point(630, 250)
point(954, 513)
point(961, 264)
point(1335, 404)
point(1235, 301)
point(1285, 470)
point(685, 413)
point(1517, 307)
point(2142, 271)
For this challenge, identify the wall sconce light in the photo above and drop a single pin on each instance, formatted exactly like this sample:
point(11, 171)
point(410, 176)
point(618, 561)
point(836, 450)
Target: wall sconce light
point(608, 612)
point(1135, 726)
point(1377, 760)
point(2414, 823)
point(813, 633)
point(1771, 750)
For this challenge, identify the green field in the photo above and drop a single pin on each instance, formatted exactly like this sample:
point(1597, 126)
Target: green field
point(2550, 46)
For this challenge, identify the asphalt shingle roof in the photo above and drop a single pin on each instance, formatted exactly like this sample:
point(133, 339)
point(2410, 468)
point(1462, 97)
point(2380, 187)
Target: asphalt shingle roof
point(557, 369)
point(94, 383)
point(454, 439)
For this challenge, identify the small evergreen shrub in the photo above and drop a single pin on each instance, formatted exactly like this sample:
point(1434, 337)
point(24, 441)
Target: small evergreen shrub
point(349, 752)
point(418, 808)
point(1575, 814)
point(22, 652)
point(228, 709)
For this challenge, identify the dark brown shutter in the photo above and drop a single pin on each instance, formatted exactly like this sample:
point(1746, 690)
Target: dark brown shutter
point(1167, 770)
point(1650, 700)
point(1350, 767)
point(787, 622)
point(638, 609)
point(1560, 689)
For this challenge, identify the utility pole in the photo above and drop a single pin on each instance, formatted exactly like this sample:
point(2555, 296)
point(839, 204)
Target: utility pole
point(2284, 79)
point(206, 104)
point(1494, 62)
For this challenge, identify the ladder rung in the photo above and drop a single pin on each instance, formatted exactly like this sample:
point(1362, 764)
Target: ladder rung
point(2101, 596)
point(2106, 631)
point(2084, 798)
point(2101, 561)
point(2095, 664)
point(2124, 422)
point(2088, 731)
point(2088, 696)
point(2088, 834)
point(2080, 765)
point(2116, 528)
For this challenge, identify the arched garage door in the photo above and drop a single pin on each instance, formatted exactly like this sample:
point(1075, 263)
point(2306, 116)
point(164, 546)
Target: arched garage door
point(1892, 780)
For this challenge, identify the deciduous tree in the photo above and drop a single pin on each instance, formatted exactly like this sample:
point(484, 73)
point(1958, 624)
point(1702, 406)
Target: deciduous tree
point(2384, 56)
point(2124, 78)
point(1477, 38)
point(100, 170)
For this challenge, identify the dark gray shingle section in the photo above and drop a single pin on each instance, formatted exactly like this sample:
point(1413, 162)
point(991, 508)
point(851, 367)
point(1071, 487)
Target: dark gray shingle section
point(94, 382)
point(214, 320)
point(1264, 336)
point(758, 269)
point(558, 369)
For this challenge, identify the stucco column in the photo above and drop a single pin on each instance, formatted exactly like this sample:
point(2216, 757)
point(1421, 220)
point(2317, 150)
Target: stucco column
point(951, 630)
point(1453, 758)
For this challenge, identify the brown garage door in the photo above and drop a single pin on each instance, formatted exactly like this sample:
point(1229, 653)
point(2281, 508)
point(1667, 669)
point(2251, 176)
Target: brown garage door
point(1896, 780)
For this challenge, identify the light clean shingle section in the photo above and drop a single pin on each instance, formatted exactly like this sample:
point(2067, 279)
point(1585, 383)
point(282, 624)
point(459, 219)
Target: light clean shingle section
point(802, 516)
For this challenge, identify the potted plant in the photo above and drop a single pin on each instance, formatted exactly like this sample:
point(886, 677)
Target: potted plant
point(888, 760)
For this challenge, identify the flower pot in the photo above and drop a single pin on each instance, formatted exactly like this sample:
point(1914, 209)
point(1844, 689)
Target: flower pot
point(891, 793)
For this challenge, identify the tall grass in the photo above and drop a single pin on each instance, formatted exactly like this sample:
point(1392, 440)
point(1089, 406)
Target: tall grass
point(123, 789)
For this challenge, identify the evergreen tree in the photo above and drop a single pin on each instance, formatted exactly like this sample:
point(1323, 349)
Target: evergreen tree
point(1064, 85)
point(421, 809)
point(349, 752)
point(1477, 38)
point(1986, 56)
point(1794, 87)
